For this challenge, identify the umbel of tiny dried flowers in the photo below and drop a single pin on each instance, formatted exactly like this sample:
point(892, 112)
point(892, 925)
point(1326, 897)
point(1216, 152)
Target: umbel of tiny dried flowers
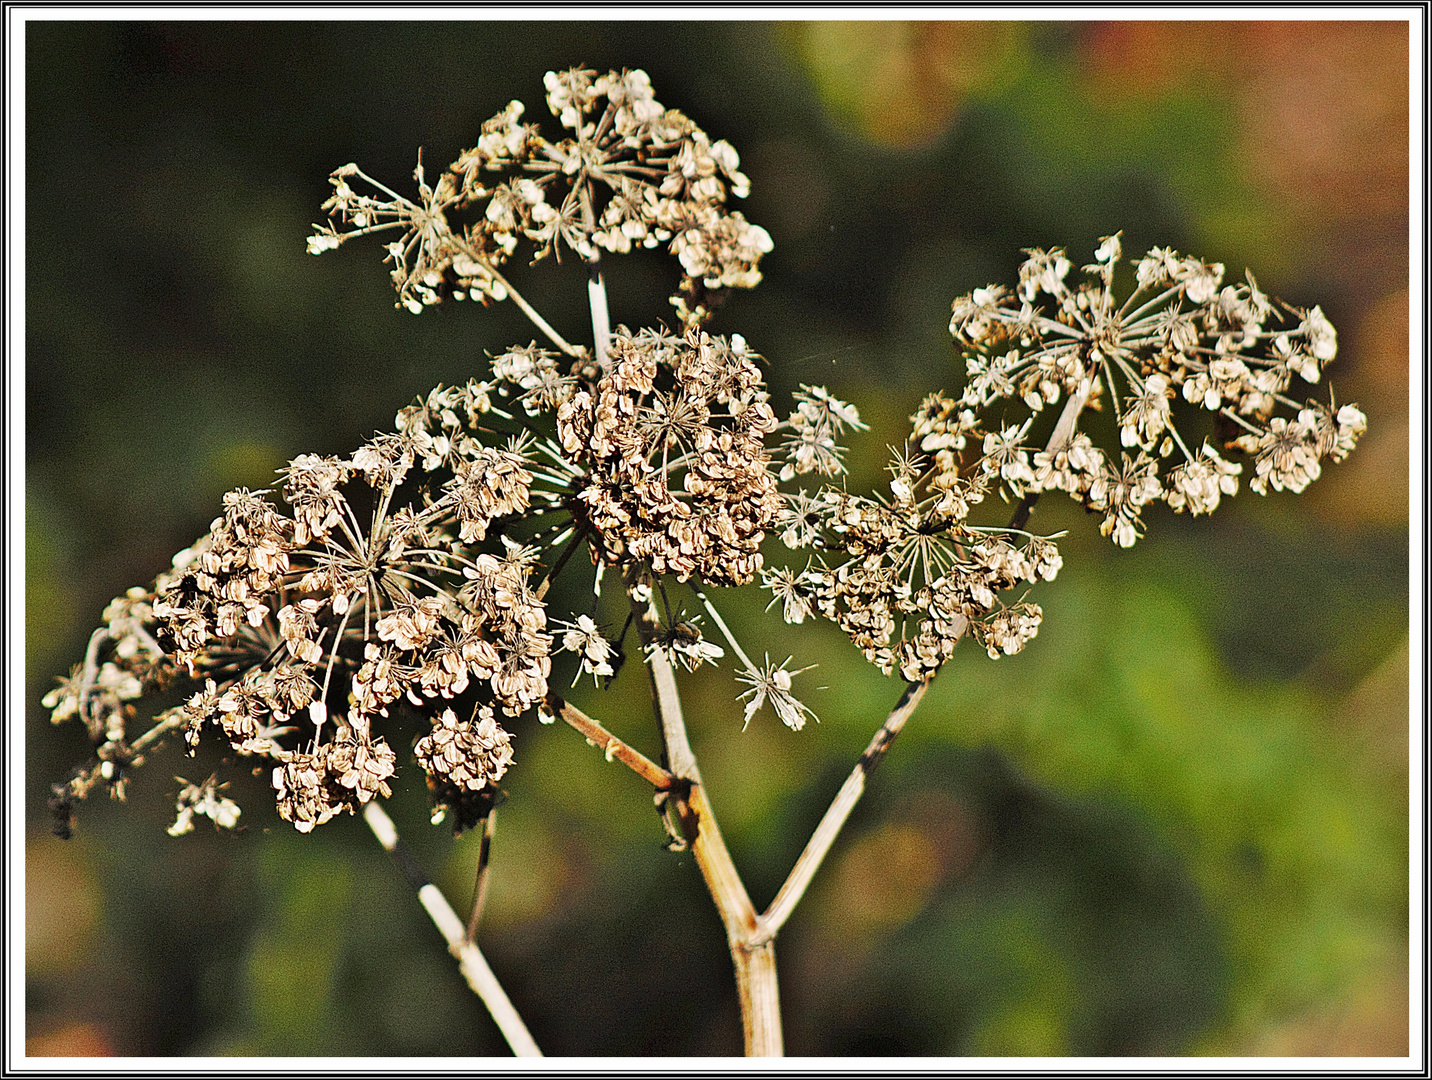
point(627, 172)
point(1227, 349)
point(910, 575)
point(396, 576)
point(671, 443)
point(297, 626)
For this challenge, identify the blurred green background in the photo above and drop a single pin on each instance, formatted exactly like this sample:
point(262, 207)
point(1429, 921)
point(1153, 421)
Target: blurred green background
point(1178, 823)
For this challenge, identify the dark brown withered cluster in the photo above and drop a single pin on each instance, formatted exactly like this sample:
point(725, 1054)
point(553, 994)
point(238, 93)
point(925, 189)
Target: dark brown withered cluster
point(671, 447)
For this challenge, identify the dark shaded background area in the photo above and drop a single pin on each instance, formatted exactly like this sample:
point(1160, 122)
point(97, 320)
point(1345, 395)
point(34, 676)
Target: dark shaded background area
point(1177, 823)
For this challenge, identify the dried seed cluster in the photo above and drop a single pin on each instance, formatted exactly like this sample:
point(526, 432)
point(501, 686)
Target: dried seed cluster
point(916, 578)
point(671, 447)
point(463, 759)
point(1182, 333)
point(627, 172)
point(282, 611)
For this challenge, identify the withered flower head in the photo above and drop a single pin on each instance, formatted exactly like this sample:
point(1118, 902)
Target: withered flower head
point(906, 577)
point(361, 592)
point(670, 446)
point(624, 172)
point(1182, 333)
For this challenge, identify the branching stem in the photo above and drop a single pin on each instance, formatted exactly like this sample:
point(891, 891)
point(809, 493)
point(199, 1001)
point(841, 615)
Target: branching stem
point(612, 747)
point(470, 960)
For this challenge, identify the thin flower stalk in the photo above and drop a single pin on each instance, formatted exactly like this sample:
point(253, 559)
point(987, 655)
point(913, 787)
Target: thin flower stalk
point(473, 965)
point(612, 747)
point(836, 815)
point(482, 877)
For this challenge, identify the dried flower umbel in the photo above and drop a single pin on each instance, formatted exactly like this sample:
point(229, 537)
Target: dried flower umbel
point(627, 172)
point(300, 624)
point(912, 576)
point(671, 443)
point(1182, 333)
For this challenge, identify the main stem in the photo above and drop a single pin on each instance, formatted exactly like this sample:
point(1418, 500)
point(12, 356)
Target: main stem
point(755, 963)
point(757, 987)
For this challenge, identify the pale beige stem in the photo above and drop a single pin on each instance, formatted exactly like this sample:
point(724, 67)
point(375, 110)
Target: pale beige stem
point(471, 962)
point(756, 984)
point(757, 987)
point(612, 747)
point(596, 287)
point(835, 817)
point(597, 297)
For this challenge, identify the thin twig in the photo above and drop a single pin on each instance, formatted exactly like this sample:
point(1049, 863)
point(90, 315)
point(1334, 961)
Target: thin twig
point(471, 962)
point(91, 674)
point(725, 630)
point(479, 885)
point(612, 747)
point(835, 817)
point(527, 309)
point(550, 575)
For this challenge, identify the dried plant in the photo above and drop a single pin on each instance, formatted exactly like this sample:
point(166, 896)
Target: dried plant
point(411, 577)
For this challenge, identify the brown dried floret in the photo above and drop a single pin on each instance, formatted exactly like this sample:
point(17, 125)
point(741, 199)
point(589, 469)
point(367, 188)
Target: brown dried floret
point(916, 578)
point(466, 754)
point(341, 775)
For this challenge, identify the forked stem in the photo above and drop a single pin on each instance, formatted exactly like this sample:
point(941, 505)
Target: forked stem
point(755, 962)
point(470, 961)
